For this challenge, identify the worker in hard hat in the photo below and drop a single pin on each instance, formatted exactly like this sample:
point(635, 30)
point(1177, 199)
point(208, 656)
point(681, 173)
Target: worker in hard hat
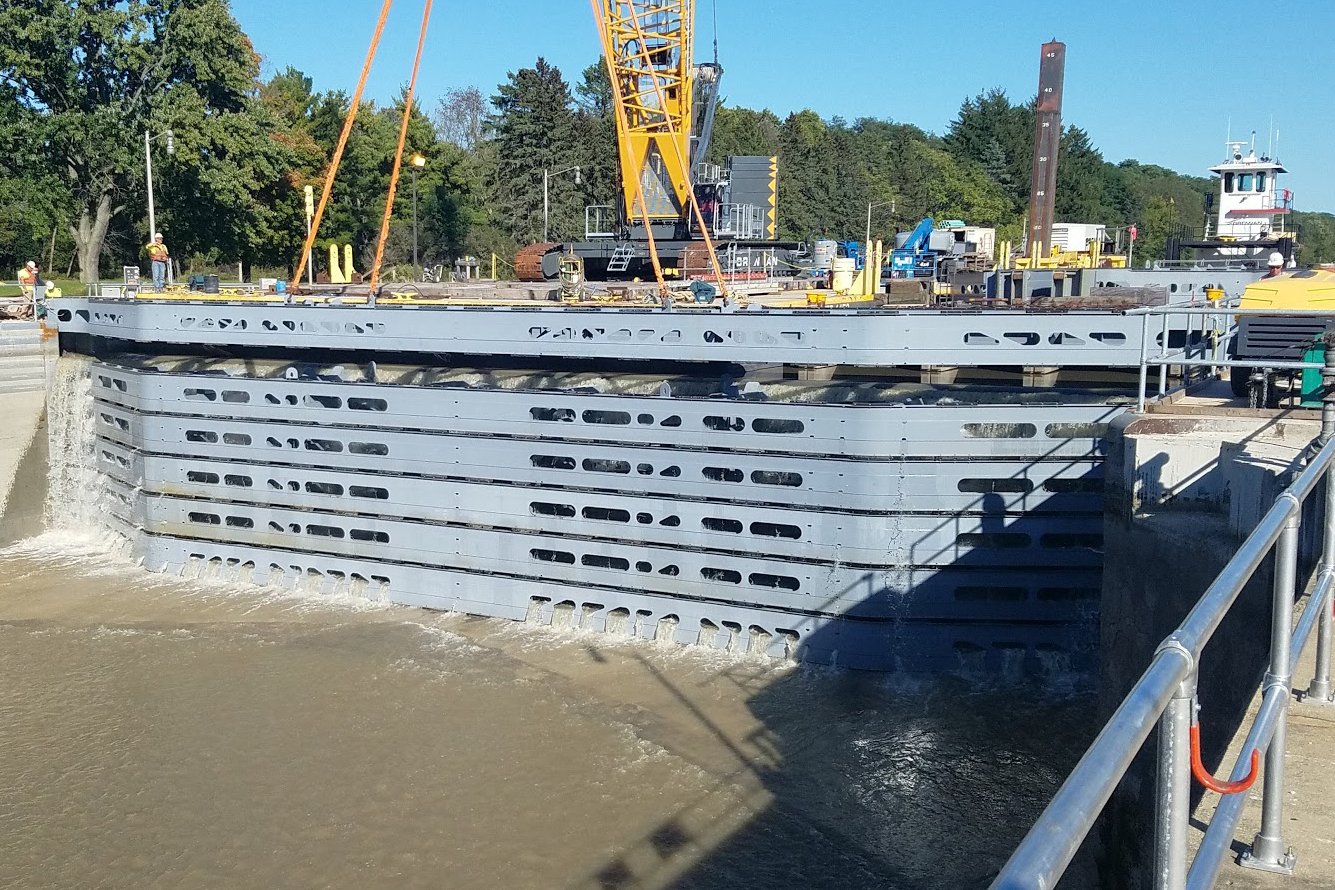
point(29, 275)
point(160, 256)
point(1275, 265)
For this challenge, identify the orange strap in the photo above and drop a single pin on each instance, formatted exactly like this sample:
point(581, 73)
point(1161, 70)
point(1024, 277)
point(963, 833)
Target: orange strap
point(342, 143)
point(398, 157)
point(676, 148)
point(619, 102)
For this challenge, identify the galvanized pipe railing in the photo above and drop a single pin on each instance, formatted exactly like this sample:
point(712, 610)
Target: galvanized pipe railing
point(1166, 693)
point(1185, 357)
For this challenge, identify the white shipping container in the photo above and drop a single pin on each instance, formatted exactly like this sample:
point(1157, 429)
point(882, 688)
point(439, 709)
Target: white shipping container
point(1076, 236)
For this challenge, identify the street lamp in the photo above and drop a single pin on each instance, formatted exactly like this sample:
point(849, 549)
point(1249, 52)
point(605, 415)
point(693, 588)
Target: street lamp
point(418, 162)
point(546, 198)
point(148, 172)
point(870, 208)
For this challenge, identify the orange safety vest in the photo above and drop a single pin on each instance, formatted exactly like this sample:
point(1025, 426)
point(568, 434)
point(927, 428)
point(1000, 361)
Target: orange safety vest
point(27, 277)
point(157, 252)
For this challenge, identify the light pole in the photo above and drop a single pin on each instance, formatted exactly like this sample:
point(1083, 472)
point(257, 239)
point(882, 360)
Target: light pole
point(418, 163)
point(546, 198)
point(148, 173)
point(867, 244)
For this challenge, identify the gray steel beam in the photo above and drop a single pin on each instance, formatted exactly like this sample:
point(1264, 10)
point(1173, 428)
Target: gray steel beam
point(859, 549)
point(944, 428)
point(879, 338)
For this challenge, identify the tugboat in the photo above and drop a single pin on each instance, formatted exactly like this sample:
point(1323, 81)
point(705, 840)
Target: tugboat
point(1253, 211)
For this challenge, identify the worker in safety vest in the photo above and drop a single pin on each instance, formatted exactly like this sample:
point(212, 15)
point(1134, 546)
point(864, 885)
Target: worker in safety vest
point(160, 256)
point(29, 276)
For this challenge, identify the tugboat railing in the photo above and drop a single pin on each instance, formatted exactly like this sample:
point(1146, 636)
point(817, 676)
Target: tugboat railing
point(1166, 694)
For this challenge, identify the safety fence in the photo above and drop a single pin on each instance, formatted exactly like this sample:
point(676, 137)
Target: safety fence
point(1166, 694)
point(1197, 340)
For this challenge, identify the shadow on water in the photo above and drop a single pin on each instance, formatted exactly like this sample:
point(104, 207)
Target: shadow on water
point(887, 780)
point(857, 779)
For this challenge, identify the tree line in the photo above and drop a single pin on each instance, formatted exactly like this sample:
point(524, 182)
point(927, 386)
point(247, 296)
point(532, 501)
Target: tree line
point(82, 83)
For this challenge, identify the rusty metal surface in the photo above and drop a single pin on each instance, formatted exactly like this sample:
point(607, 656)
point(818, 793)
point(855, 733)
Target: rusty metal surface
point(1047, 147)
point(528, 262)
point(695, 261)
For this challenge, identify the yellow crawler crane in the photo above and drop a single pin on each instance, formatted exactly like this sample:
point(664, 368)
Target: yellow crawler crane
point(648, 47)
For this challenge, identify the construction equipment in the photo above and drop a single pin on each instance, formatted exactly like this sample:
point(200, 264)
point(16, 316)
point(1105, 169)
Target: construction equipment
point(939, 254)
point(672, 203)
point(1304, 307)
point(913, 256)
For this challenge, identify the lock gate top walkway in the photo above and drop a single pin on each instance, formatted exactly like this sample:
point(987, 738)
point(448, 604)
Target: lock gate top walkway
point(1311, 799)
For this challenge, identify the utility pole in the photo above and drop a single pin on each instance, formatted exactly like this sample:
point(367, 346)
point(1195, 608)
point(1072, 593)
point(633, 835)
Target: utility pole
point(310, 217)
point(418, 162)
point(546, 196)
point(148, 168)
point(148, 172)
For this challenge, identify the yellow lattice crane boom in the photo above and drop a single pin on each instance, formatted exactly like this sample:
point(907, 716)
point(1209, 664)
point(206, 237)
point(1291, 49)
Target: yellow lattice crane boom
point(651, 59)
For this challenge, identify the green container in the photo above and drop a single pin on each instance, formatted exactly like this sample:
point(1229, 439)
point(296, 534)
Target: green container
point(1312, 387)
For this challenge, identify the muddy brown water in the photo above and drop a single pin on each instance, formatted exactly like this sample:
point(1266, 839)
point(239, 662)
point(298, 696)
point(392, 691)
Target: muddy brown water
point(162, 733)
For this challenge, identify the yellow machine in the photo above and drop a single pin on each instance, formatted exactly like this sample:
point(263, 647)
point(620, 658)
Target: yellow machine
point(1303, 307)
point(1310, 289)
point(1092, 257)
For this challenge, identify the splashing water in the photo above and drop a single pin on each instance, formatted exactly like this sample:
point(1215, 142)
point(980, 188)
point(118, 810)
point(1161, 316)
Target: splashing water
point(76, 493)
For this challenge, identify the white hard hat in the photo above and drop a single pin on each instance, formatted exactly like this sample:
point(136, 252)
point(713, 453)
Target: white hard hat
point(1276, 259)
point(31, 265)
point(159, 235)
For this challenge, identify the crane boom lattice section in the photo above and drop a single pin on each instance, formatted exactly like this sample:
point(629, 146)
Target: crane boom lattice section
point(651, 44)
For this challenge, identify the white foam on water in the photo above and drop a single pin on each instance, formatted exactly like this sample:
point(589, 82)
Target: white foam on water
point(440, 639)
point(534, 637)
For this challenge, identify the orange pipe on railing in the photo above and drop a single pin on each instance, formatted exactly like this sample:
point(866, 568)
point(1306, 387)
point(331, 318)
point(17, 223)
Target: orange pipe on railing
point(398, 157)
point(342, 142)
point(1203, 775)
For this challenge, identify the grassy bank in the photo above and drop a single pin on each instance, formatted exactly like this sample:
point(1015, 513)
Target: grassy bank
point(69, 286)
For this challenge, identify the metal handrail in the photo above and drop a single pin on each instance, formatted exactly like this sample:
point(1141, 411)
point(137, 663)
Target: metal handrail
point(1184, 357)
point(1166, 692)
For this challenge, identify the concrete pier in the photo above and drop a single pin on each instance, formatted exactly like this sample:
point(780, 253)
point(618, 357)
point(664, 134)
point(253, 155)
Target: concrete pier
point(25, 357)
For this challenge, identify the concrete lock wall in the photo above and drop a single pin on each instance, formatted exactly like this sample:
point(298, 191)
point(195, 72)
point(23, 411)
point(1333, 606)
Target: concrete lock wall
point(27, 359)
point(23, 465)
point(1183, 492)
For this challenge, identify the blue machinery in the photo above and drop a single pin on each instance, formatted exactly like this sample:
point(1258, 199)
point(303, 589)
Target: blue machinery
point(916, 259)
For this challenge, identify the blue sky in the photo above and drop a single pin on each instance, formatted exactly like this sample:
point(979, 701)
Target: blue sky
point(1157, 81)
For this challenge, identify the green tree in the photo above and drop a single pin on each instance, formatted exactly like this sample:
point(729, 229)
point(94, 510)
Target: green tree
point(741, 131)
point(533, 128)
point(90, 78)
point(595, 126)
point(1080, 180)
point(999, 135)
point(33, 198)
point(1316, 237)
